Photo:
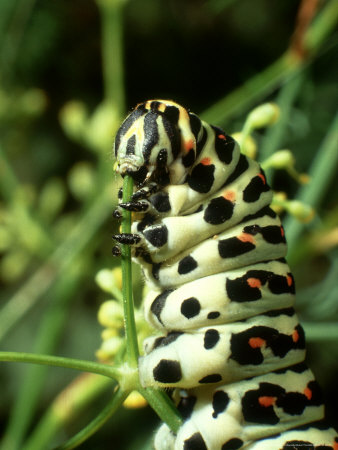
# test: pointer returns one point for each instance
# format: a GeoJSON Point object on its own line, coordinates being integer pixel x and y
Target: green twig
{"type": "Point", "coordinates": [127, 288]}
{"type": "Point", "coordinates": [69, 363]}
{"type": "Point", "coordinates": [164, 407]}
{"type": "Point", "coordinates": [320, 332]}
{"type": "Point", "coordinates": [118, 398]}
{"type": "Point", "coordinates": [112, 53]}
{"type": "Point", "coordinates": [68, 405]}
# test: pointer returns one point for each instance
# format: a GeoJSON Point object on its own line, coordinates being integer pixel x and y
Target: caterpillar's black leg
{"type": "Point", "coordinates": [141, 206]}
{"type": "Point", "coordinates": [127, 238]}
{"type": "Point", "coordinates": [145, 192]}
{"type": "Point", "coordinates": [117, 214]}
{"type": "Point", "coordinates": [116, 251]}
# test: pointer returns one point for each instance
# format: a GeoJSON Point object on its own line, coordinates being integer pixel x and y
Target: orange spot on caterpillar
{"type": "Point", "coordinates": [188, 145]}
{"type": "Point", "coordinates": [308, 393]}
{"type": "Point", "coordinates": [282, 231]}
{"type": "Point", "coordinates": [221, 136]}
{"type": "Point", "coordinates": [229, 195]}
{"type": "Point", "coordinates": [289, 280]}
{"type": "Point", "coordinates": [256, 342]}
{"type": "Point", "coordinates": [245, 237]}
{"type": "Point", "coordinates": [266, 401]}
{"type": "Point", "coordinates": [295, 336]}
{"type": "Point", "coordinates": [262, 177]}
{"type": "Point", "coordinates": [206, 161]}
{"type": "Point", "coordinates": [335, 444]}
{"type": "Point", "coordinates": [254, 282]}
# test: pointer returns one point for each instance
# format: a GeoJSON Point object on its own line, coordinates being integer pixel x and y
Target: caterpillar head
{"type": "Point", "coordinates": [152, 140]}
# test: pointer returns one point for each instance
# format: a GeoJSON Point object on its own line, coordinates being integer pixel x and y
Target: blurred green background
{"type": "Point", "coordinates": [69, 72]}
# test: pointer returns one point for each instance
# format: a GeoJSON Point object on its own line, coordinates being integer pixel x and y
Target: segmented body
{"type": "Point", "coordinates": [220, 291]}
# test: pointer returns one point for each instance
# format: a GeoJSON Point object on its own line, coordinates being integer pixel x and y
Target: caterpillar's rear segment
{"type": "Point", "coordinates": [221, 293]}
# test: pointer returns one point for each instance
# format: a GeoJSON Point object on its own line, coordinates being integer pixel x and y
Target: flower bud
{"type": "Point", "coordinates": [109, 280]}
{"type": "Point", "coordinates": [248, 147]}
{"type": "Point", "coordinates": [111, 314]}
{"type": "Point", "coordinates": [52, 198]}
{"type": "Point", "coordinates": [303, 212]}
{"type": "Point", "coordinates": [135, 400]}
{"type": "Point", "coordinates": [73, 118]}
{"type": "Point", "coordinates": [263, 116]}
{"type": "Point", "coordinates": [282, 159]}
{"type": "Point", "coordinates": [109, 348]}
{"type": "Point", "coordinates": [81, 180]}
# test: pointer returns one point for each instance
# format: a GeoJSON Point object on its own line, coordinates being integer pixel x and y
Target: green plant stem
{"type": "Point", "coordinates": [320, 332]}
{"type": "Point", "coordinates": [118, 398]}
{"type": "Point", "coordinates": [112, 53]}
{"type": "Point", "coordinates": [324, 23]}
{"type": "Point", "coordinates": [33, 378]}
{"type": "Point", "coordinates": [127, 287]}
{"type": "Point", "coordinates": [164, 407]}
{"type": "Point", "coordinates": [67, 406]}
{"type": "Point", "coordinates": [58, 361]}
{"type": "Point", "coordinates": [321, 174]}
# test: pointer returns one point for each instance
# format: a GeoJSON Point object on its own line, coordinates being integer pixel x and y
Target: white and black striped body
{"type": "Point", "coordinates": [221, 293]}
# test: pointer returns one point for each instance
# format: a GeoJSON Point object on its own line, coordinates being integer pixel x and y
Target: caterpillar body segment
{"type": "Point", "coordinates": [249, 410]}
{"type": "Point", "coordinates": [220, 294]}
{"type": "Point", "coordinates": [231, 296]}
{"type": "Point", "coordinates": [229, 352]}
{"type": "Point", "coordinates": [322, 438]}
{"type": "Point", "coordinates": [259, 240]}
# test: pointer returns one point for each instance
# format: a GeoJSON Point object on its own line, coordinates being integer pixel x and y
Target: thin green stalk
{"type": "Point", "coordinates": [59, 361]}
{"type": "Point", "coordinates": [67, 406]}
{"type": "Point", "coordinates": [320, 332]}
{"type": "Point", "coordinates": [112, 52]}
{"type": "Point", "coordinates": [34, 376]}
{"type": "Point", "coordinates": [118, 398]}
{"type": "Point", "coordinates": [321, 174]}
{"type": "Point", "coordinates": [164, 407]}
{"type": "Point", "coordinates": [127, 288]}
{"type": "Point", "coordinates": [324, 23]}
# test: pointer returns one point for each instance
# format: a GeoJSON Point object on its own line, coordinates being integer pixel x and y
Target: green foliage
{"type": "Point", "coordinates": [60, 105]}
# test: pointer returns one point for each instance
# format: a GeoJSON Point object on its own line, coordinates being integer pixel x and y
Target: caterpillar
{"type": "Point", "coordinates": [220, 293]}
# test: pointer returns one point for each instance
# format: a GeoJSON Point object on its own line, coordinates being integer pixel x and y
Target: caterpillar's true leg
{"type": "Point", "coordinates": [127, 238]}
{"type": "Point", "coordinates": [141, 206]}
